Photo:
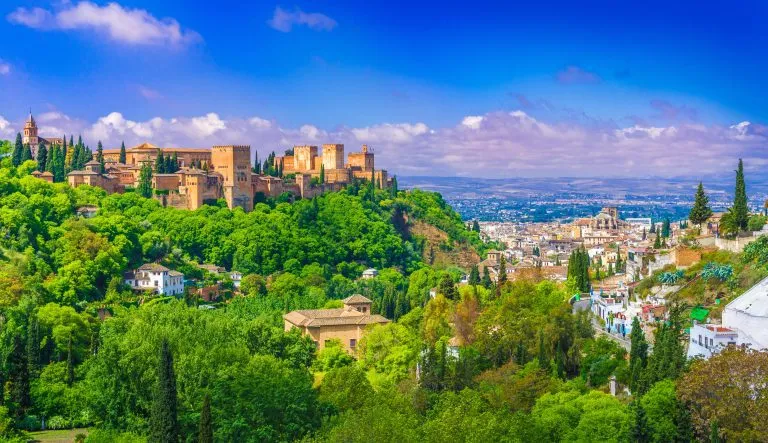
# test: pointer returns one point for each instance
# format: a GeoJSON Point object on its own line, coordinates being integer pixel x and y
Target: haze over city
{"type": "Point", "coordinates": [487, 89]}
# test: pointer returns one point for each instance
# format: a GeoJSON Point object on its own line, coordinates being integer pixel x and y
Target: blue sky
{"type": "Point", "coordinates": [334, 68]}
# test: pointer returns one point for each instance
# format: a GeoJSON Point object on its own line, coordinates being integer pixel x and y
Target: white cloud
{"type": "Point", "coordinates": [125, 25]}
{"type": "Point", "coordinates": [5, 68]}
{"type": "Point", "coordinates": [260, 123]}
{"type": "Point", "coordinates": [472, 121]}
{"type": "Point", "coordinates": [5, 127]}
{"type": "Point", "coordinates": [284, 21]}
{"type": "Point", "coordinates": [495, 144]}
{"type": "Point", "coordinates": [388, 132]}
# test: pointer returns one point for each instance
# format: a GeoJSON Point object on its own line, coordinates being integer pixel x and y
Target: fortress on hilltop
{"type": "Point", "coordinates": [196, 176]}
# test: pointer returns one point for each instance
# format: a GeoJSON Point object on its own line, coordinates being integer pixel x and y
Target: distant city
{"type": "Point", "coordinates": [533, 200]}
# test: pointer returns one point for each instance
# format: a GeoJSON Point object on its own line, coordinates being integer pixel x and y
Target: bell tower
{"type": "Point", "coordinates": [30, 133]}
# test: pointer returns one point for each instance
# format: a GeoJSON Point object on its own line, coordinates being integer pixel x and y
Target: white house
{"type": "Point", "coordinates": [157, 278]}
{"type": "Point", "coordinates": [748, 314]}
{"type": "Point", "coordinates": [707, 339]}
{"type": "Point", "coordinates": [236, 278]}
{"type": "Point", "coordinates": [606, 307]}
{"type": "Point", "coordinates": [370, 273]}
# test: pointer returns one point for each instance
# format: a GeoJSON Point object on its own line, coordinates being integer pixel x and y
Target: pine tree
{"type": "Point", "coordinates": [122, 158]}
{"type": "Point", "coordinates": [18, 151]}
{"type": "Point", "coordinates": [206, 425]}
{"type": "Point", "coordinates": [638, 355]}
{"type": "Point", "coordinates": [26, 153]}
{"type": "Point", "coordinates": [145, 181]}
{"type": "Point", "coordinates": [740, 206]}
{"type": "Point", "coordinates": [163, 423]}
{"type": "Point", "coordinates": [42, 155]}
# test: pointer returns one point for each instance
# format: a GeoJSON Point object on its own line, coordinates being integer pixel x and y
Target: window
{"type": "Point", "coordinates": [156, 283]}
{"type": "Point", "coordinates": [700, 340]}
{"type": "Point", "coordinates": [352, 343]}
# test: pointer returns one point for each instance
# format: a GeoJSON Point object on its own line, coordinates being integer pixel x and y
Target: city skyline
{"type": "Point", "coordinates": [596, 91]}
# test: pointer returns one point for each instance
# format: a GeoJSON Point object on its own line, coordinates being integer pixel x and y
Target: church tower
{"type": "Point", "coordinates": [30, 134]}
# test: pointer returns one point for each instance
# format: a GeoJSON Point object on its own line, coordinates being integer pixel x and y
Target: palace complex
{"type": "Point", "coordinates": [206, 175]}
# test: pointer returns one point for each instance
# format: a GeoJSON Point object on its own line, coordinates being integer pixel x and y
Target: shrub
{"type": "Point", "coordinates": [58, 422]}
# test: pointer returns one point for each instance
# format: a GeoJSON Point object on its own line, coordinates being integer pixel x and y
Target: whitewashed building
{"type": "Point", "coordinates": [155, 277]}
{"type": "Point", "coordinates": [708, 339]}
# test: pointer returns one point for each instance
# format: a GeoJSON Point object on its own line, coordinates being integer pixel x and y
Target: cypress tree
{"type": "Point", "coordinates": [42, 155]}
{"type": "Point", "coordinates": [71, 142]}
{"type": "Point", "coordinates": [322, 174]}
{"type": "Point", "coordinates": [474, 276]}
{"type": "Point", "coordinates": [639, 431]}
{"type": "Point", "coordinates": [26, 153]}
{"type": "Point", "coordinates": [653, 227]}
{"type": "Point", "coordinates": [740, 207]}
{"type": "Point", "coordinates": [18, 151]}
{"type": "Point", "coordinates": [543, 357]}
{"type": "Point", "coordinates": [122, 158]}
{"type": "Point", "coordinates": [206, 425]}
{"type": "Point", "coordinates": [168, 165]}
{"type": "Point", "coordinates": [394, 186]}
{"type": "Point", "coordinates": [475, 226]}
{"type": "Point", "coordinates": [159, 163]}
{"type": "Point", "coordinates": [174, 163]}
{"type": "Point", "coordinates": [100, 156]}
{"type": "Point", "coordinates": [49, 163]}
{"type": "Point", "coordinates": [163, 423]}
{"type": "Point", "coordinates": [657, 242]}
{"type": "Point", "coordinates": [665, 228]}
{"type": "Point", "coordinates": [486, 278]}
{"type": "Point", "coordinates": [18, 374]}
{"type": "Point", "coordinates": [145, 181]}
{"type": "Point", "coordinates": [502, 270]}
{"type": "Point", "coordinates": [700, 212]}
{"type": "Point", "coordinates": [58, 168]}
{"type": "Point", "coordinates": [70, 363]}
{"type": "Point", "coordinates": [638, 355]}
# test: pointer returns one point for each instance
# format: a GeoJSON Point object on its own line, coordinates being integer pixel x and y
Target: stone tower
{"type": "Point", "coordinates": [30, 134]}
{"type": "Point", "coordinates": [333, 156]}
{"type": "Point", "coordinates": [234, 164]}
{"type": "Point", "coordinates": [304, 158]}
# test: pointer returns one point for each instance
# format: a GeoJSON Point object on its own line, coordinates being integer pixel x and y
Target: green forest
{"type": "Point", "coordinates": [476, 362]}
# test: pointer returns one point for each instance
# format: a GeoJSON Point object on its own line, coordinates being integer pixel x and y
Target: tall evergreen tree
{"type": "Point", "coordinates": [18, 375]}
{"type": "Point", "coordinates": [639, 431]}
{"type": "Point", "coordinates": [168, 165]}
{"type": "Point", "coordinates": [475, 226]}
{"type": "Point", "coordinates": [486, 280]}
{"type": "Point", "coordinates": [657, 242]}
{"type": "Point", "coordinates": [51, 158]}
{"type": "Point", "coordinates": [474, 276]}
{"type": "Point", "coordinates": [322, 174]}
{"type": "Point", "coordinates": [159, 163]}
{"type": "Point", "coordinates": [26, 153]}
{"type": "Point", "coordinates": [665, 228]}
{"type": "Point", "coordinates": [42, 155]}
{"type": "Point", "coordinates": [394, 186]}
{"type": "Point", "coordinates": [122, 158]}
{"type": "Point", "coordinates": [145, 181]}
{"type": "Point", "coordinates": [18, 151]}
{"type": "Point", "coordinates": [206, 423]}
{"type": "Point", "coordinates": [58, 167]}
{"type": "Point", "coordinates": [100, 156]}
{"type": "Point", "coordinates": [502, 270]}
{"type": "Point", "coordinates": [163, 423]}
{"type": "Point", "coordinates": [638, 355]}
{"type": "Point", "coordinates": [543, 357]}
{"type": "Point", "coordinates": [653, 227]}
{"type": "Point", "coordinates": [740, 206]}
{"type": "Point", "coordinates": [174, 162]}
